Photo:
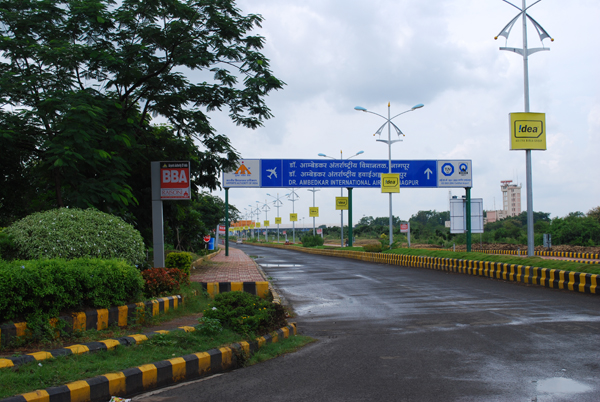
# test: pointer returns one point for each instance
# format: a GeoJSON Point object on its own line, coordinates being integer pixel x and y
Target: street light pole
{"type": "Point", "coordinates": [293, 199]}
{"type": "Point", "coordinates": [314, 191]}
{"type": "Point", "coordinates": [342, 192]}
{"type": "Point", "coordinates": [525, 52]}
{"type": "Point", "coordinates": [389, 141]}
{"type": "Point", "coordinates": [277, 203]}
{"type": "Point", "coordinates": [266, 208]}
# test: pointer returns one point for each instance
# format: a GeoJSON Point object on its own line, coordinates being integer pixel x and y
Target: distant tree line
{"type": "Point", "coordinates": [577, 229]}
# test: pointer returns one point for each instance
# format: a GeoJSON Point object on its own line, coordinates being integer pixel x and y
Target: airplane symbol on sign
{"type": "Point", "coordinates": [272, 171]}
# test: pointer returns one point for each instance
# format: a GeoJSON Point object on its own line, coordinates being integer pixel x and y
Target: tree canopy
{"type": "Point", "coordinates": [81, 82]}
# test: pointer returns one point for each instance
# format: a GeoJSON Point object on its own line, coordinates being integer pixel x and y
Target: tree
{"type": "Point", "coordinates": [81, 81]}
{"type": "Point", "coordinates": [594, 213]}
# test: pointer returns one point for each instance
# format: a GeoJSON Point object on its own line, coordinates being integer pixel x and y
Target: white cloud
{"type": "Point", "coordinates": [337, 54]}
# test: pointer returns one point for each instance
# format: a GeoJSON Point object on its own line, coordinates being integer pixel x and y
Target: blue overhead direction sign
{"type": "Point", "coordinates": [355, 173]}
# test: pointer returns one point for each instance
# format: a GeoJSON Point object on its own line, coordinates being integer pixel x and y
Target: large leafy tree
{"type": "Point", "coordinates": [81, 81]}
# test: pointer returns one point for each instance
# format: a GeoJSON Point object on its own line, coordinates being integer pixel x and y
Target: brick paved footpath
{"type": "Point", "coordinates": [237, 267]}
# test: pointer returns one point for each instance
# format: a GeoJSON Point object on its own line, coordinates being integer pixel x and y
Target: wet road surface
{"type": "Point", "coordinates": [409, 334]}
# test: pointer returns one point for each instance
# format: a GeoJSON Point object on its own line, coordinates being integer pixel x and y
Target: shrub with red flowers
{"type": "Point", "coordinates": [163, 281]}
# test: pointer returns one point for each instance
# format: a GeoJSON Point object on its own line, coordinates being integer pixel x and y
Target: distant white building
{"type": "Point", "coordinates": [511, 202]}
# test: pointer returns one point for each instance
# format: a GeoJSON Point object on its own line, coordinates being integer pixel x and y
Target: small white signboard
{"type": "Point", "coordinates": [454, 173]}
{"type": "Point", "coordinates": [458, 212]}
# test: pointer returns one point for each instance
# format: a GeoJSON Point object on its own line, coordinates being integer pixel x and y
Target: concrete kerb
{"type": "Point", "coordinates": [551, 278]}
{"type": "Point", "coordinates": [200, 260]}
{"type": "Point", "coordinates": [100, 319]}
{"type": "Point", "coordinates": [155, 375]}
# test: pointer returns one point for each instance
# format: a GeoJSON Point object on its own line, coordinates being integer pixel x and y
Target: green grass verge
{"type": "Point", "coordinates": [283, 346]}
{"type": "Point", "coordinates": [65, 369]}
{"type": "Point", "coordinates": [508, 259]}
{"type": "Point", "coordinates": [195, 302]}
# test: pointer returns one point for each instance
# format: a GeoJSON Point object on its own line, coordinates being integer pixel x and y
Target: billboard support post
{"type": "Point", "coordinates": [468, 218]}
{"type": "Point", "coordinates": [226, 222]}
{"type": "Point", "coordinates": [349, 216]}
{"type": "Point", "coordinates": [158, 241]}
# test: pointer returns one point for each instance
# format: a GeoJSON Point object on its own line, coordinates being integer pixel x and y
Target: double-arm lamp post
{"type": "Point", "coordinates": [341, 195]}
{"type": "Point", "coordinates": [389, 141]}
{"type": "Point", "coordinates": [277, 203]}
{"type": "Point", "coordinates": [525, 52]}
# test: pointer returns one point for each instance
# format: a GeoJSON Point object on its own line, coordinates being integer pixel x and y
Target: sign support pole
{"type": "Point", "coordinates": [468, 218]}
{"type": "Point", "coordinates": [158, 241]}
{"type": "Point", "coordinates": [349, 216]}
{"type": "Point", "coordinates": [226, 222]}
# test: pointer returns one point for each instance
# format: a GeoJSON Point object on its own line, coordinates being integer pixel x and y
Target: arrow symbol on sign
{"type": "Point", "coordinates": [428, 172]}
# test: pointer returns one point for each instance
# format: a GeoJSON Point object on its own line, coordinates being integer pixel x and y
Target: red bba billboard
{"type": "Point", "coordinates": [175, 181]}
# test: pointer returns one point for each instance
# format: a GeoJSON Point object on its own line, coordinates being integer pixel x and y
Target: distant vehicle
{"type": "Point", "coordinates": [239, 241]}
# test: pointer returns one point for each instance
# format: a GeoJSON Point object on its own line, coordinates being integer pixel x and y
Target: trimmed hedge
{"type": "Point", "coordinates": [180, 260]}
{"type": "Point", "coordinates": [75, 233]}
{"type": "Point", "coordinates": [47, 287]}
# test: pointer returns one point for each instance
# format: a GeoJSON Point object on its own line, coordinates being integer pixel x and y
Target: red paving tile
{"type": "Point", "coordinates": [237, 267]}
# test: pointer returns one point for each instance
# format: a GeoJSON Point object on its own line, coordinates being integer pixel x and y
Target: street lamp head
{"type": "Point", "coordinates": [360, 152]}
{"type": "Point", "coordinates": [322, 155]}
{"type": "Point", "coordinates": [419, 106]}
{"type": "Point", "coordinates": [360, 108]}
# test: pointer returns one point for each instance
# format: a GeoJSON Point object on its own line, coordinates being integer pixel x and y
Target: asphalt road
{"type": "Point", "coordinates": [409, 334]}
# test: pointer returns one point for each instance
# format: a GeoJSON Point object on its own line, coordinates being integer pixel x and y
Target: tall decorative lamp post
{"type": "Point", "coordinates": [341, 195]}
{"type": "Point", "coordinates": [389, 141]}
{"type": "Point", "coordinates": [314, 190]}
{"type": "Point", "coordinates": [293, 197]}
{"type": "Point", "coordinates": [266, 208]}
{"type": "Point", "coordinates": [277, 203]}
{"type": "Point", "coordinates": [525, 52]}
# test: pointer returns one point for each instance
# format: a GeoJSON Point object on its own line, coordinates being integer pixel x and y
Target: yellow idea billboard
{"type": "Point", "coordinates": [313, 212]}
{"type": "Point", "coordinates": [341, 203]}
{"type": "Point", "coordinates": [278, 221]}
{"type": "Point", "coordinates": [390, 183]}
{"type": "Point", "coordinates": [293, 217]}
{"type": "Point", "coordinates": [527, 131]}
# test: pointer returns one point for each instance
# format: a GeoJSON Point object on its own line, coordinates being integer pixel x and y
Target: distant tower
{"type": "Point", "coordinates": [511, 198]}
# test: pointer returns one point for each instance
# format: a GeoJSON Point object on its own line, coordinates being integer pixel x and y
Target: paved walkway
{"type": "Point", "coordinates": [237, 267]}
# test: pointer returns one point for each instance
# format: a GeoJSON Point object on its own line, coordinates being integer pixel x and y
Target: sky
{"type": "Point", "coordinates": [335, 55]}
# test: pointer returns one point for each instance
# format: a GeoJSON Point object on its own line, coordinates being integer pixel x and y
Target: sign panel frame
{"type": "Point", "coordinates": [527, 131]}
{"type": "Point", "coordinates": [341, 203]}
{"type": "Point", "coordinates": [390, 183]}
{"type": "Point", "coordinates": [175, 180]}
{"type": "Point", "coordinates": [354, 173]}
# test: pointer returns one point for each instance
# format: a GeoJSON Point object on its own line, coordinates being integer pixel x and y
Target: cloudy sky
{"type": "Point", "coordinates": [335, 55]}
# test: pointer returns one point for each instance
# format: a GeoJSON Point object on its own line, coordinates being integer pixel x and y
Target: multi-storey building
{"type": "Point", "coordinates": [511, 202]}
{"type": "Point", "coordinates": [511, 198]}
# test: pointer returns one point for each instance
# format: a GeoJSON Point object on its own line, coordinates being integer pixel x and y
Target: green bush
{"type": "Point", "coordinates": [7, 246]}
{"type": "Point", "coordinates": [246, 313]}
{"type": "Point", "coordinates": [74, 233]}
{"type": "Point", "coordinates": [163, 281]}
{"type": "Point", "coordinates": [48, 287]}
{"type": "Point", "coordinates": [309, 240]}
{"type": "Point", "coordinates": [181, 261]}
{"type": "Point", "coordinates": [372, 248]}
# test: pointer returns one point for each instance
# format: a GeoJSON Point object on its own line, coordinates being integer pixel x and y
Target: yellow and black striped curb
{"type": "Point", "coordinates": [151, 376]}
{"type": "Point", "coordinates": [261, 288]}
{"type": "Point", "coordinates": [551, 278]}
{"type": "Point", "coordinates": [564, 254]}
{"type": "Point", "coordinates": [100, 319]}
{"type": "Point", "coordinates": [200, 260]}
{"type": "Point", "coordinates": [90, 347]}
